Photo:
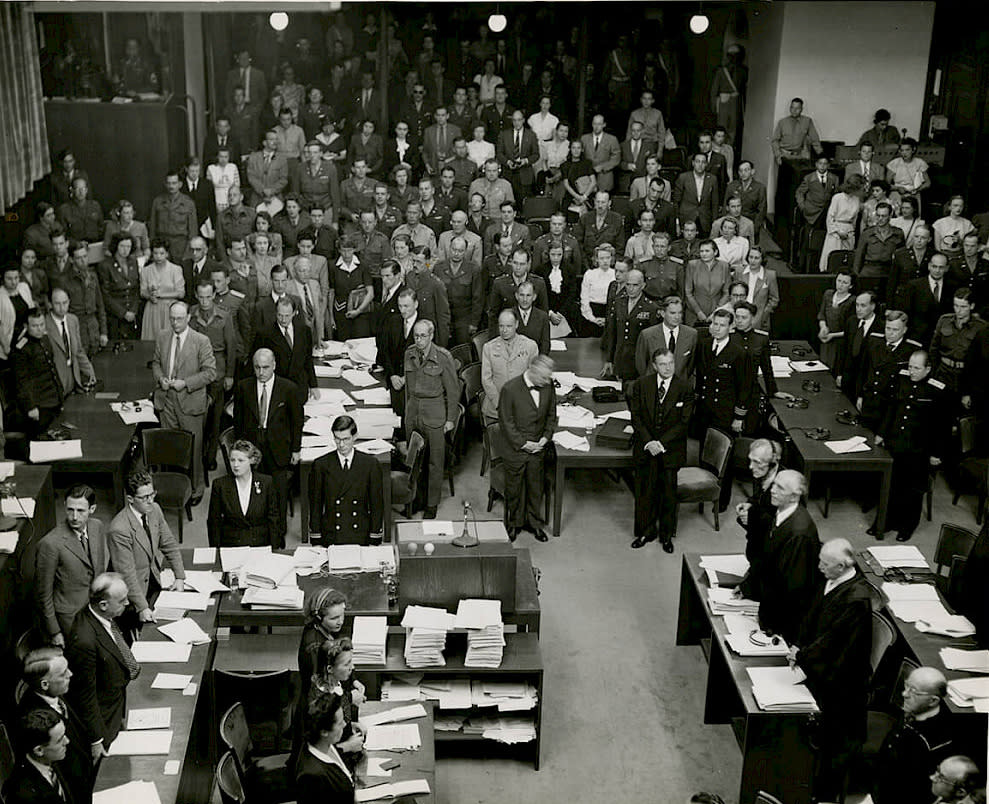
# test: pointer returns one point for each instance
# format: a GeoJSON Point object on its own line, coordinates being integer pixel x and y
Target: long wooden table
{"type": "Point", "coordinates": [814, 456]}
{"type": "Point", "coordinates": [776, 753]}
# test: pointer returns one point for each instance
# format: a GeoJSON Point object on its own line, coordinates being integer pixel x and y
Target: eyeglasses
{"type": "Point", "coordinates": [911, 690]}
{"type": "Point", "coordinates": [146, 497]}
{"type": "Point", "coordinates": [937, 776]}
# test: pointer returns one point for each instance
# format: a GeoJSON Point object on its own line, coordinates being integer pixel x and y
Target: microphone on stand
{"type": "Point", "coordinates": [465, 539]}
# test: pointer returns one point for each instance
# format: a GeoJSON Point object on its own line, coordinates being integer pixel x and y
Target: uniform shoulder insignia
{"type": "Point", "coordinates": [877, 334]}
{"type": "Point", "coordinates": [904, 372]}
{"type": "Point", "coordinates": [761, 332]}
{"type": "Point", "coordinates": [237, 294]}
{"type": "Point", "coordinates": [21, 343]}
{"type": "Point", "coordinates": [918, 344]}
{"type": "Point", "coordinates": [937, 384]}
{"type": "Point", "coordinates": [675, 259]}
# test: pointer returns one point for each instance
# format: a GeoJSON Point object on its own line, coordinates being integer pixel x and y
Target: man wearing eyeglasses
{"type": "Point", "coordinates": [954, 779]}
{"type": "Point", "coordinates": [142, 544]}
{"type": "Point", "coordinates": [915, 746]}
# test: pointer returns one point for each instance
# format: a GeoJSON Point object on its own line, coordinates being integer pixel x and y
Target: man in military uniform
{"type": "Point", "coordinates": [217, 325]}
{"type": "Point", "coordinates": [373, 248]}
{"type": "Point", "coordinates": [688, 247]}
{"type": "Point", "coordinates": [885, 354]}
{"type": "Point", "coordinates": [664, 274]}
{"type": "Point", "coordinates": [725, 387]}
{"type": "Point", "coordinates": [173, 218]}
{"type": "Point", "coordinates": [85, 299]}
{"type": "Point", "coordinates": [387, 218]}
{"type": "Point", "coordinates": [626, 320]}
{"type": "Point", "coordinates": [81, 215]}
{"type": "Point", "coordinates": [557, 236]}
{"type": "Point", "coordinates": [356, 195]}
{"type": "Point", "coordinates": [970, 269]}
{"type": "Point", "coordinates": [498, 264]}
{"type": "Point", "coordinates": [431, 293]}
{"type": "Point", "coordinates": [914, 429]}
{"type": "Point", "coordinates": [953, 335]}
{"type": "Point", "coordinates": [464, 292]}
{"type": "Point", "coordinates": [755, 343]}
{"type": "Point", "coordinates": [39, 392]}
{"type": "Point", "coordinates": [432, 393]}
{"type": "Point", "coordinates": [474, 247]}
{"type": "Point", "coordinates": [237, 220]}
{"type": "Point", "coordinates": [503, 288]}
{"type": "Point", "coordinates": [230, 301]}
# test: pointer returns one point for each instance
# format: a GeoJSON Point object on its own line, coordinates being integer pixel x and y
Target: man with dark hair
{"type": "Point", "coordinates": [267, 170]}
{"type": "Point", "coordinates": [81, 216]}
{"type": "Point", "coordinates": [38, 776]}
{"type": "Point", "coordinates": [886, 353]}
{"type": "Point", "coordinates": [75, 371]}
{"type": "Point", "coordinates": [317, 181]}
{"type": "Point", "coordinates": [926, 299]}
{"type": "Point", "coordinates": [717, 165]}
{"type": "Point", "coordinates": [504, 288]}
{"type": "Point", "coordinates": [752, 193]}
{"type": "Point", "coordinates": [875, 249]}
{"type": "Point", "coordinates": [857, 332]}
{"type": "Point", "coordinates": [672, 334]}
{"type": "Point", "coordinates": [81, 284]}
{"type": "Point", "coordinates": [813, 197]}
{"type": "Point", "coordinates": [909, 263]}
{"type": "Point", "coordinates": [953, 335]}
{"type": "Point", "coordinates": [517, 150]}
{"type": "Point", "coordinates": [394, 339]}
{"type": "Point", "coordinates": [173, 217]}
{"type": "Point", "coordinates": [69, 557]}
{"type": "Point", "coordinates": [970, 269]}
{"type": "Point", "coordinates": [696, 194]}
{"type": "Point", "coordinates": [38, 388]}
{"type": "Point", "coordinates": [222, 136]}
{"type": "Point", "coordinates": [518, 232]}
{"type": "Point", "coordinates": [464, 290]}
{"type": "Point", "coordinates": [345, 492]}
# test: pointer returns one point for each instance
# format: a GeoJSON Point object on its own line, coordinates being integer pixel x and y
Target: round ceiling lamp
{"type": "Point", "coordinates": [497, 22]}
{"type": "Point", "coordinates": [699, 23]}
{"type": "Point", "coordinates": [278, 20]}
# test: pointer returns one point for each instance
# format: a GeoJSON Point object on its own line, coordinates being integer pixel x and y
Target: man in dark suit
{"type": "Point", "coordinates": [752, 193]}
{"type": "Point", "coordinates": [69, 557]}
{"type": "Point", "coordinates": [198, 267]}
{"type": "Point", "coordinates": [345, 489]}
{"type": "Point", "coordinates": [101, 662]}
{"type": "Point", "coordinates": [290, 340]}
{"type": "Point", "coordinates": [75, 371]}
{"type": "Point", "coordinates": [926, 299]}
{"type": "Point", "coordinates": [626, 319]}
{"type": "Point", "coordinates": [717, 166]}
{"type": "Point", "coordinates": [661, 405]}
{"type": "Point", "coordinates": [200, 189]}
{"type": "Point", "coordinates": [970, 269]}
{"type": "Point", "coordinates": [38, 777]}
{"type": "Point", "coordinates": [909, 263]}
{"type": "Point", "coordinates": [46, 677]}
{"type": "Point", "coordinates": [695, 195]}
{"type": "Point", "coordinates": [437, 141]}
{"type": "Point", "coordinates": [221, 136]}
{"type": "Point", "coordinates": [673, 334]}
{"type": "Point", "coordinates": [600, 226]}
{"type": "Point", "coordinates": [393, 339]}
{"type": "Point", "coordinates": [527, 420]}
{"type": "Point", "coordinates": [250, 78]}
{"type": "Point", "coordinates": [857, 331]}
{"type": "Point", "coordinates": [141, 544]}
{"type": "Point", "coordinates": [366, 104]}
{"type": "Point", "coordinates": [813, 198]}
{"type": "Point", "coordinates": [264, 312]}
{"type": "Point", "coordinates": [504, 288]}
{"type": "Point", "coordinates": [833, 650]}
{"type": "Point", "coordinates": [268, 413]}
{"type": "Point", "coordinates": [517, 150]}
{"type": "Point", "coordinates": [785, 581]}
{"type": "Point", "coordinates": [885, 353]}
{"type": "Point", "coordinates": [507, 227]}
{"type": "Point", "coordinates": [533, 322]}
{"type": "Point", "coordinates": [635, 149]}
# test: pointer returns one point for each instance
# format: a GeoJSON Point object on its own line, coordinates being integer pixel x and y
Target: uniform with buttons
{"type": "Point", "coordinates": [37, 381]}
{"type": "Point", "coordinates": [625, 327]}
{"type": "Point", "coordinates": [881, 365]}
{"type": "Point", "coordinates": [346, 504]}
{"type": "Point", "coordinates": [755, 342]}
{"type": "Point", "coordinates": [949, 346]}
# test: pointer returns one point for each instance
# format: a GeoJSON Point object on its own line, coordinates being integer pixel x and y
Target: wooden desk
{"type": "Point", "coordinates": [487, 531]}
{"type": "Point", "coordinates": [776, 753]}
{"type": "Point", "coordinates": [105, 438]}
{"type": "Point", "coordinates": [420, 764]}
{"type": "Point", "coordinates": [815, 457]}
{"type": "Point", "coordinates": [192, 726]}
{"type": "Point", "coordinates": [583, 357]}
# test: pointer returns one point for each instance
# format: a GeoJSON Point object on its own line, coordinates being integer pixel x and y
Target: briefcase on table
{"type": "Point", "coordinates": [614, 433]}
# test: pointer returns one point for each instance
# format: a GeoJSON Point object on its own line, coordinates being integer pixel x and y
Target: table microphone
{"type": "Point", "coordinates": [465, 539]}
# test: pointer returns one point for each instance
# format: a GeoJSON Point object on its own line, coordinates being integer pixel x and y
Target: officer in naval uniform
{"type": "Point", "coordinates": [885, 354]}
{"type": "Point", "coordinates": [755, 343]}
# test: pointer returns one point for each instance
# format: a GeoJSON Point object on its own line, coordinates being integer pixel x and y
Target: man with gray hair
{"type": "Point", "coordinates": [916, 745]}
{"type": "Point", "coordinates": [503, 358]}
{"type": "Point", "coordinates": [756, 514]}
{"type": "Point", "coordinates": [833, 651]}
{"type": "Point", "coordinates": [474, 246]}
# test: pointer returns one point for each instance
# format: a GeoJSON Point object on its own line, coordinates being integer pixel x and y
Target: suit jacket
{"type": "Point", "coordinates": [64, 571]}
{"type": "Point", "coordinates": [923, 310]}
{"type": "Point", "coordinates": [77, 767]}
{"type": "Point", "coordinates": [813, 197]}
{"type": "Point", "coordinates": [684, 354]}
{"type": "Point", "coordinates": [204, 197]}
{"type": "Point", "coordinates": [392, 344]}
{"type": "Point", "coordinates": [273, 177]}
{"type": "Point", "coordinates": [766, 297]}
{"type": "Point", "coordinates": [27, 786]}
{"type": "Point", "coordinates": [391, 157]}
{"type": "Point", "coordinates": [191, 277]}
{"type": "Point", "coordinates": [140, 556]}
{"type": "Point", "coordinates": [590, 237]}
{"type": "Point", "coordinates": [753, 201]}
{"type": "Point", "coordinates": [195, 363]}
{"type": "Point", "coordinates": [788, 576]}
{"type": "Point", "coordinates": [293, 362]}
{"type": "Point", "coordinates": [691, 208]}
{"type": "Point", "coordinates": [433, 146]}
{"type": "Point", "coordinates": [878, 370]}
{"type": "Point", "coordinates": [81, 371]}
{"type": "Point", "coordinates": [872, 173]}
{"type": "Point", "coordinates": [318, 782]}
{"type": "Point", "coordinates": [537, 329]}
{"type": "Point", "coordinates": [665, 423]}
{"type": "Point", "coordinates": [605, 158]}
{"type": "Point", "coordinates": [284, 432]}
{"type": "Point", "coordinates": [315, 323]}
{"type": "Point", "coordinates": [229, 526]}
{"type": "Point", "coordinates": [725, 384]}
{"type": "Point", "coordinates": [522, 421]}
{"type": "Point", "coordinates": [359, 113]}
{"type": "Point", "coordinates": [519, 232]}
{"type": "Point", "coordinates": [346, 506]}
{"type": "Point", "coordinates": [257, 82]}
{"type": "Point", "coordinates": [851, 357]}
{"type": "Point", "coordinates": [664, 212]}
{"type": "Point", "coordinates": [212, 144]}
{"type": "Point", "coordinates": [372, 151]}
{"type": "Point", "coordinates": [646, 147]}
{"type": "Point", "coordinates": [264, 314]}
{"type": "Point", "coordinates": [505, 153]}
{"type": "Point", "coordinates": [99, 678]}
{"type": "Point", "coordinates": [502, 296]}
{"type": "Point", "coordinates": [717, 166]}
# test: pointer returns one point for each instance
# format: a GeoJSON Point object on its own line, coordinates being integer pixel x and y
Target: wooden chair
{"type": "Point", "coordinates": [972, 470]}
{"type": "Point", "coordinates": [405, 483]}
{"type": "Point", "coordinates": [481, 337]}
{"type": "Point", "coordinates": [762, 797]}
{"type": "Point", "coordinates": [840, 260]}
{"type": "Point", "coordinates": [228, 780]}
{"type": "Point", "coordinates": [168, 455]}
{"type": "Point", "coordinates": [226, 444]}
{"type": "Point", "coordinates": [953, 542]}
{"type": "Point", "coordinates": [485, 441]}
{"type": "Point", "coordinates": [470, 376]}
{"type": "Point", "coordinates": [453, 444]}
{"type": "Point", "coordinates": [537, 209]}
{"type": "Point", "coordinates": [701, 484]}
{"type": "Point", "coordinates": [955, 576]}
{"type": "Point", "coordinates": [883, 636]}
{"type": "Point", "coordinates": [266, 773]}
{"type": "Point", "coordinates": [462, 354]}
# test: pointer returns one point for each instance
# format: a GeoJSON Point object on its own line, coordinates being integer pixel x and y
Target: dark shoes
{"type": "Point", "coordinates": [196, 499]}
{"type": "Point", "coordinates": [903, 537]}
{"type": "Point", "coordinates": [430, 512]}
{"type": "Point", "coordinates": [667, 545]}
{"type": "Point", "coordinates": [513, 534]}
{"type": "Point", "coordinates": [540, 535]}
{"type": "Point", "coordinates": [640, 542]}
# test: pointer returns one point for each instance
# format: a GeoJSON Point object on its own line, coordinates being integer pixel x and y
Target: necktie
{"type": "Point", "coordinates": [133, 668]}
{"type": "Point", "coordinates": [308, 300]}
{"type": "Point", "coordinates": [597, 141]}
{"type": "Point", "coordinates": [174, 358]}
{"type": "Point", "coordinates": [518, 144]}
{"type": "Point", "coordinates": [267, 159]}
{"type": "Point", "coordinates": [937, 290]}
{"type": "Point", "coordinates": [673, 341]}
{"type": "Point", "coordinates": [147, 528]}
{"type": "Point", "coordinates": [65, 344]}
{"type": "Point", "coordinates": [84, 541]}
{"type": "Point", "coordinates": [288, 335]}
{"type": "Point", "coordinates": [662, 391]}
{"type": "Point", "coordinates": [635, 150]}
{"type": "Point", "coordinates": [442, 137]}
{"type": "Point", "coordinates": [263, 406]}
{"type": "Point", "coordinates": [56, 785]}
{"type": "Point", "coordinates": [223, 141]}
{"type": "Point", "coordinates": [346, 464]}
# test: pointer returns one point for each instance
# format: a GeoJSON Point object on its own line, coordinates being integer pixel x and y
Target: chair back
{"type": "Point", "coordinates": [453, 437]}
{"type": "Point", "coordinates": [167, 450]}
{"type": "Point", "coordinates": [235, 734]}
{"type": "Point", "coordinates": [715, 452]}
{"type": "Point", "coordinates": [762, 797]}
{"type": "Point", "coordinates": [622, 205]}
{"type": "Point", "coordinates": [27, 642]}
{"type": "Point", "coordinates": [227, 440]}
{"type": "Point", "coordinates": [955, 577]}
{"type": "Point", "coordinates": [8, 759]}
{"type": "Point", "coordinates": [952, 541]}
{"type": "Point", "coordinates": [229, 780]}
{"type": "Point", "coordinates": [535, 231]}
{"type": "Point", "coordinates": [675, 158]}
{"type": "Point", "coordinates": [840, 260]}
{"type": "Point", "coordinates": [496, 442]}
{"type": "Point", "coordinates": [538, 207]}
{"type": "Point", "coordinates": [461, 354]}
{"type": "Point", "coordinates": [883, 635]}
{"type": "Point", "coordinates": [470, 375]}
{"type": "Point", "coordinates": [967, 434]}
{"type": "Point", "coordinates": [481, 337]}
{"type": "Point", "coordinates": [414, 458]}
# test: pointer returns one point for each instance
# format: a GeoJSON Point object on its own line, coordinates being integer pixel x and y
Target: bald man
{"type": "Point", "coordinates": [833, 651]}
{"type": "Point", "coordinates": [954, 779]}
{"type": "Point", "coordinates": [917, 744]}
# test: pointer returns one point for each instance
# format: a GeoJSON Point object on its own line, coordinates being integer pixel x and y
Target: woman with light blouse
{"type": "Point", "coordinates": [122, 221]}
{"type": "Point", "coordinates": [594, 291]}
{"type": "Point", "coordinates": [732, 247]}
{"type": "Point", "coordinates": [479, 150]}
{"type": "Point", "coordinates": [949, 231]}
{"type": "Point", "coordinates": [842, 214]}
{"type": "Point", "coordinates": [907, 221]}
{"type": "Point", "coordinates": [543, 124]}
{"type": "Point", "coordinates": [161, 284]}
{"type": "Point", "coordinates": [706, 284]}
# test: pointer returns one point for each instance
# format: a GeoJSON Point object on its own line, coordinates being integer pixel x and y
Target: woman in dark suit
{"type": "Point", "coordinates": [242, 508]}
{"type": "Point", "coordinates": [367, 145]}
{"type": "Point", "coordinates": [562, 287]}
{"type": "Point", "coordinates": [404, 151]}
{"type": "Point", "coordinates": [321, 776]}
{"type": "Point", "coordinates": [120, 282]}
{"type": "Point", "coordinates": [334, 676]}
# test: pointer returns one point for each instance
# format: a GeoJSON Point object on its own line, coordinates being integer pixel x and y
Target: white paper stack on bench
{"type": "Point", "coordinates": [393, 737]}
{"type": "Point", "coordinates": [722, 601]}
{"type": "Point", "coordinates": [185, 601]}
{"type": "Point", "coordinates": [308, 559]}
{"type": "Point", "coordinates": [952, 625]}
{"type": "Point", "coordinates": [369, 637]}
{"type": "Point", "coordinates": [779, 688]}
{"type": "Point", "coordinates": [233, 558]}
{"type": "Point", "coordinates": [970, 661]}
{"type": "Point", "coordinates": [392, 790]}
{"type": "Point", "coordinates": [509, 730]}
{"type": "Point", "coordinates": [508, 696]}
{"type": "Point", "coordinates": [185, 631]}
{"type": "Point", "coordinates": [911, 602]}
{"type": "Point", "coordinates": [280, 598]}
{"type": "Point", "coordinates": [729, 564]}
{"type": "Point", "coordinates": [343, 557]}
{"type": "Point", "coordinates": [425, 635]}
{"type": "Point", "coordinates": [396, 715]}
{"type": "Point", "coordinates": [135, 792]}
{"type": "Point", "coordinates": [270, 570]}
{"type": "Point", "coordinates": [374, 555]}
{"type": "Point", "coordinates": [970, 692]}
{"type": "Point", "coordinates": [780, 366]}
{"type": "Point", "coordinates": [205, 582]}
{"type": "Point", "coordinates": [397, 690]}
{"type": "Point", "coordinates": [362, 350]}
{"type": "Point", "coordinates": [485, 631]}
{"type": "Point", "coordinates": [898, 555]}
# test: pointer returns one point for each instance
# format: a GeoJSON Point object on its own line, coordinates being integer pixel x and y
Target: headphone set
{"type": "Point", "coordinates": [813, 386]}
{"type": "Point", "coordinates": [847, 417]}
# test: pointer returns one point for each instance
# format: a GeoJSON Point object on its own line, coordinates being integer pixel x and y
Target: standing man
{"type": "Point", "coordinates": [664, 275]}
{"type": "Point", "coordinates": [953, 336]}
{"type": "Point", "coordinates": [183, 368]}
{"type": "Point", "coordinates": [248, 78]}
{"type": "Point", "coordinates": [661, 406]}
{"type": "Point", "coordinates": [173, 217]}
{"type": "Point", "coordinates": [651, 120]}
{"type": "Point", "coordinates": [504, 288]}
{"type": "Point", "coordinates": [627, 319]}
{"type": "Point", "coordinates": [141, 544]}
{"type": "Point", "coordinates": [318, 182]}
{"type": "Point", "coordinates": [518, 150]}
{"type": "Point", "coordinates": [927, 298]}
{"type": "Point", "coordinates": [38, 388]}
{"type": "Point", "coordinates": [345, 489]}
{"type": "Point", "coordinates": [464, 291]}
{"type": "Point", "coordinates": [493, 189]}
{"type": "Point", "coordinates": [753, 195]}
{"type": "Point", "coordinates": [268, 413]}
{"type": "Point", "coordinates": [75, 372]}
{"type": "Point", "coordinates": [717, 165]}
{"type": "Point", "coordinates": [81, 216]}
{"type": "Point", "coordinates": [794, 138]}
{"type": "Point", "coordinates": [197, 268]}
{"type": "Point", "coordinates": [695, 195]}
{"type": "Point", "coordinates": [813, 198]}
{"type": "Point", "coordinates": [306, 288]}
{"type": "Point", "coordinates": [432, 393]}
{"type": "Point", "coordinates": [291, 342]}
{"type": "Point", "coordinates": [518, 232]}
{"type": "Point", "coordinates": [437, 141]}
{"type": "Point", "coordinates": [267, 171]}
{"type": "Point", "coordinates": [857, 332]}
{"type": "Point", "coordinates": [394, 340]}
{"type": "Point", "coordinates": [527, 420]}
{"type": "Point", "coordinates": [755, 343]}
{"type": "Point", "coordinates": [473, 245]}
{"type": "Point", "coordinates": [875, 250]}
{"type": "Point", "coordinates": [503, 358]}
{"type": "Point", "coordinates": [102, 661]}
{"type": "Point", "coordinates": [885, 355]}
{"type": "Point", "coordinates": [604, 152]}
{"type": "Point", "coordinates": [69, 557]}
{"type": "Point", "coordinates": [635, 149]}
{"type": "Point", "coordinates": [557, 236]}
{"type": "Point", "coordinates": [532, 322]}
{"type": "Point", "coordinates": [431, 294]}
{"type": "Point", "coordinates": [672, 334]}
{"type": "Point", "coordinates": [909, 263]}
{"type": "Point", "coordinates": [85, 299]}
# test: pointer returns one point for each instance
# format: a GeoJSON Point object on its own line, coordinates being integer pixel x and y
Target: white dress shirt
{"type": "Point", "coordinates": [847, 575]}
{"type": "Point", "coordinates": [784, 514]}
{"type": "Point", "coordinates": [244, 493]}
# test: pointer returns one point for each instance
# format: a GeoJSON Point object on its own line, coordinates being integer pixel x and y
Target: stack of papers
{"type": "Point", "coordinates": [282, 598]}
{"type": "Point", "coordinates": [557, 346]}
{"type": "Point", "coordinates": [373, 396]}
{"type": "Point", "coordinates": [954, 625]}
{"type": "Point", "coordinates": [575, 416]}
{"type": "Point", "coordinates": [368, 419]}
{"type": "Point", "coordinates": [970, 692]}
{"type": "Point", "coordinates": [130, 793]}
{"type": "Point", "coordinates": [450, 693]}
{"type": "Point", "coordinates": [362, 350]}
{"type": "Point", "coordinates": [17, 507]}
{"type": "Point", "coordinates": [44, 451]}
{"type": "Point", "coordinates": [412, 787]}
{"type": "Point", "coordinates": [376, 446]}
{"type": "Point", "coordinates": [369, 637]}
{"type": "Point", "coordinates": [568, 440]}
{"type": "Point", "coordinates": [425, 635]}
{"type": "Point", "coordinates": [205, 581]}
{"type": "Point", "coordinates": [161, 652]}
{"type": "Point", "coordinates": [203, 555]}
{"type": "Point", "coordinates": [741, 624]}
{"type": "Point", "coordinates": [849, 445]}
{"type": "Point", "coordinates": [343, 558]}
{"type": "Point", "coordinates": [186, 632]}
{"type": "Point", "coordinates": [308, 559]}
{"type": "Point", "coordinates": [155, 718]}
{"type": "Point", "coordinates": [509, 730]}
{"type": "Point", "coordinates": [269, 570]}
{"type": "Point", "coordinates": [970, 661]}
{"type": "Point", "coordinates": [725, 570]}
{"type": "Point", "coordinates": [330, 403]}
{"type": "Point", "coordinates": [8, 541]}
{"type": "Point", "coordinates": [722, 601]}
{"type": "Point", "coordinates": [332, 349]}
{"type": "Point", "coordinates": [448, 722]}
{"type": "Point", "coordinates": [185, 601]}
{"type": "Point", "coordinates": [329, 371]}
{"type": "Point", "coordinates": [359, 378]}
{"type": "Point", "coordinates": [898, 555]}
{"type": "Point", "coordinates": [396, 689]}
{"type": "Point", "coordinates": [233, 558]}
{"type": "Point", "coordinates": [781, 366]}
{"type": "Point", "coordinates": [780, 688]}
{"type": "Point", "coordinates": [485, 632]}
{"type": "Point", "coordinates": [396, 715]}
{"type": "Point", "coordinates": [393, 737]}
{"type": "Point", "coordinates": [141, 743]}
{"type": "Point", "coordinates": [136, 412]}
{"type": "Point", "coordinates": [508, 696]}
